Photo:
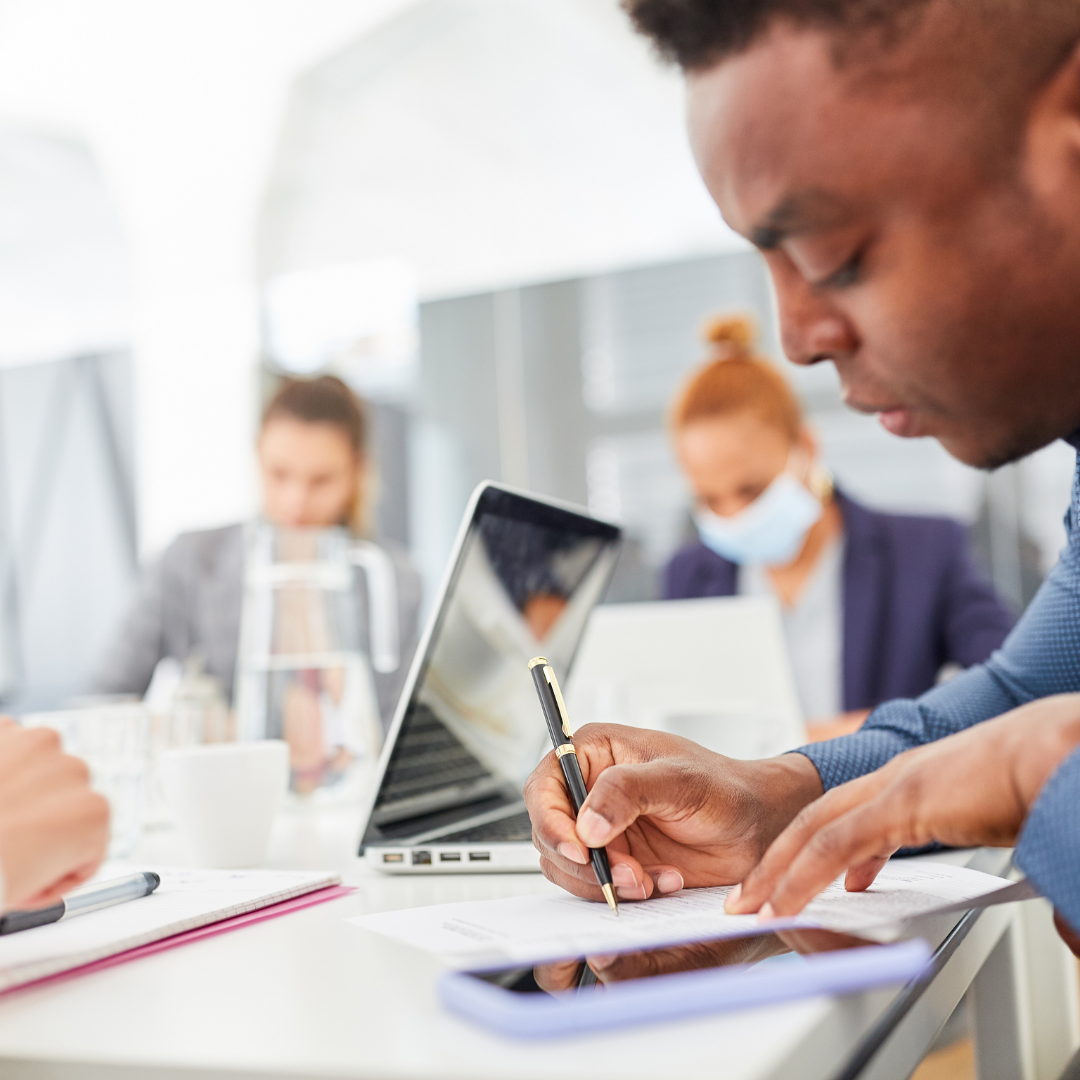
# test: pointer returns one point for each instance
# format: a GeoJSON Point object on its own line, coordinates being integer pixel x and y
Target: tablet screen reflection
{"type": "Point", "coordinates": [585, 973]}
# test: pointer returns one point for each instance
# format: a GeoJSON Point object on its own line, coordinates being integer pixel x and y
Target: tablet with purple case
{"type": "Point", "coordinates": [573, 996]}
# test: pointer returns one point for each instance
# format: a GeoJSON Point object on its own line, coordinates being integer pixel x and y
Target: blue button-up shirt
{"type": "Point", "coordinates": [1040, 657]}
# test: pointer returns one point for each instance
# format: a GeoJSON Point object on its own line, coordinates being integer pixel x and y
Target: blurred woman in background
{"type": "Point", "coordinates": [316, 473]}
{"type": "Point", "coordinates": [873, 605]}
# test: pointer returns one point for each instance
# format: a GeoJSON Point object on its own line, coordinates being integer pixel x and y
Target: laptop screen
{"type": "Point", "coordinates": [526, 577]}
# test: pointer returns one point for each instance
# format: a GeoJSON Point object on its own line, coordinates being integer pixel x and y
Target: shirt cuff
{"type": "Point", "coordinates": [840, 760]}
{"type": "Point", "coordinates": [1048, 850]}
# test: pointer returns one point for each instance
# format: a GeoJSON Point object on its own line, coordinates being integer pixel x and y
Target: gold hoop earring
{"type": "Point", "coordinates": [821, 483]}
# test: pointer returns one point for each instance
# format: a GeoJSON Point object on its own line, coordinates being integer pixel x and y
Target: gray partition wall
{"type": "Point", "coordinates": [67, 513]}
{"type": "Point", "coordinates": [67, 523]}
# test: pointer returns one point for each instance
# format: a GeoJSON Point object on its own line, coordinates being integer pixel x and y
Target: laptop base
{"type": "Point", "coordinates": [495, 858]}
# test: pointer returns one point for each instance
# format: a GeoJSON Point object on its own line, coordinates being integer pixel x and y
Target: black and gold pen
{"type": "Point", "coordinates": [562, 738]}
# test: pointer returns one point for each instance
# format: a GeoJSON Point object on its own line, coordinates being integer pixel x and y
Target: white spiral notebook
{"type": "Point", "coordinates": [185, 900]}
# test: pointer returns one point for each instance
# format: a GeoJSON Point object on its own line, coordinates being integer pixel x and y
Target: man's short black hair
{"type": "Point", "coordinates": [1023, 41]}
{"type": "Point", "coordinates": [698, 33]}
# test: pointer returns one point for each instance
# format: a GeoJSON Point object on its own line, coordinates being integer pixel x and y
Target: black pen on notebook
{"type": "Point", "coordinates": [562, 738]}
{"type": "Point", "coordinates": [82, 901]}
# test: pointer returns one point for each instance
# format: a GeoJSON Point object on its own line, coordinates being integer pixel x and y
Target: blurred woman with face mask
{"type": "Point", "coordinates": [873, 605]}
{"type": "Point", "coordinates": [315, 470]}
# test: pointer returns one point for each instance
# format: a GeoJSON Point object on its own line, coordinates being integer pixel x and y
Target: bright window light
{"type": "Point", "coordinates": [359, 320]}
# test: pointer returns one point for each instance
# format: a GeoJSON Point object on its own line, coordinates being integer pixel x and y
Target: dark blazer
{"type": "Point", "coordinates": [913, 601]}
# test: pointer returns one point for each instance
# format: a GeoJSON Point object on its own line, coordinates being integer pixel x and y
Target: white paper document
{"type": "Point", "coordinates": [527, 928]}
{"type": "Point", "coordinates": [185, 900]}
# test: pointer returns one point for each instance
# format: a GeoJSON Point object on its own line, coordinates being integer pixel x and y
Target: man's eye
{"type": "Point", "coordinates": [846, 276]}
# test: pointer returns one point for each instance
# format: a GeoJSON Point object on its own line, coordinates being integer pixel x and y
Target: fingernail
{"type": "Point", "coordinates": [623, 877]}
{"type": "Point", "coordinates": [598, 963]}
{"type": "Point", "coordinates": [669, 881]}
{"type": "Point", "coordinates": [766, 912]}
{"type": "Point", "coordinates": [592, 828]}
{"type": "Point", "coordinates": [573, 853]}
{"type": "Point", "coordinates": [733, 898]}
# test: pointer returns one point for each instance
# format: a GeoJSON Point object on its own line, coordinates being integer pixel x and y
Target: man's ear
{"type": "Point", "coordinates": [1052, 142]}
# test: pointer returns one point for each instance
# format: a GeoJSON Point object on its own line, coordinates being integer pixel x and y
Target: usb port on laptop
{"type": "Point", "coordinates": [449, 856]}
{"type": "Point", "coordinates": [479, 856]}
{"type": "Point", "coordinates": [393, 856]}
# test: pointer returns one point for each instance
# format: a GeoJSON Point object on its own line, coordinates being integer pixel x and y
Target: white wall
{"type": "Point", "coordinates": [491, 143]}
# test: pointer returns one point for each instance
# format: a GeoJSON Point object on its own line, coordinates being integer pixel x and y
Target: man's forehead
{"type": "Point", "coordinates": [785, 140]}
{"type": "Point", "coordinates": [755, 118]}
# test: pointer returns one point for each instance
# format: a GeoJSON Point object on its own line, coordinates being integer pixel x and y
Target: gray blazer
{"type": "Point", "coordinates": [189, 602]}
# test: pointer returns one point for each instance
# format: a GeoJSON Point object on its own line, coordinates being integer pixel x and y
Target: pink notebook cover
{"type": "Point", "coordinates": [320, 896]}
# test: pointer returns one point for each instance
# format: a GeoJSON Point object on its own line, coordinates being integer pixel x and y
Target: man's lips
{"type": "Point", "coordinates": [896, 419]}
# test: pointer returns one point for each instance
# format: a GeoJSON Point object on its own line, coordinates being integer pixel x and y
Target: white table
{"type": "Point", "coordinates": [308, 995]}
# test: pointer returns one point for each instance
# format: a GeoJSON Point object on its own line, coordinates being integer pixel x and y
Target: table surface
{"type": "Point", "coordinates": [311, 995]}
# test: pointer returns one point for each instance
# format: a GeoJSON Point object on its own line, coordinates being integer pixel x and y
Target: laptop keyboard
{"type": "Point", "coordinates": [427, 757]}
{"type": "Point", "coordinates": [515, 827]}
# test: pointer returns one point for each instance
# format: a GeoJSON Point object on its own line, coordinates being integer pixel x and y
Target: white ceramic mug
{"type": "Point", "coordinates": [224, 797]}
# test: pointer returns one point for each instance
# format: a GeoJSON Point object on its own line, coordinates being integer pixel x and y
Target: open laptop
{"type": "Point", "coordinates": [524, 576]}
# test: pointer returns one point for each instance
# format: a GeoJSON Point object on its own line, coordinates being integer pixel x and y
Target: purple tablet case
{"type": "Point", "coordinates": [685, 994]}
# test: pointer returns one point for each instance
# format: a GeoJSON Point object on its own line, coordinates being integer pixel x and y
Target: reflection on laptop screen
{"type": "Point", "coordinates": [526, 577]}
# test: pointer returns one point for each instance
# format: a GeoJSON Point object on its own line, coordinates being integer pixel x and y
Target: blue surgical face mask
{"type": "Point", "coordinates": [771, 530]}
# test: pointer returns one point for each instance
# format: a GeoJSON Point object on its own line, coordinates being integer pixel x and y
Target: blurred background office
{"type": "Point", "coordinates": [481, 214]}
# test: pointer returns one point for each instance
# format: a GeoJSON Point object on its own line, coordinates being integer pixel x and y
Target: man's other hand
{"type": "Point", "coordinates": [670, 812]}
{"type": "Point", "coordinates": [53, 828]}
{"type": "Point", "coordinates": [973, 788]}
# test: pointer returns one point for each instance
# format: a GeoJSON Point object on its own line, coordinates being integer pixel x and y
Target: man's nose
{"type": "Point", "coordinates": [811, 328]}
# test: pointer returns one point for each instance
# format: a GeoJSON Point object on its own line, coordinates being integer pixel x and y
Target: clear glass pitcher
{"type": "Point", "coordinates": [308, 649]}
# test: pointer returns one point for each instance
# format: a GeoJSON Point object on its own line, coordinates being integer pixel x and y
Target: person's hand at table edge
{"type": "Point", "coordinates": [832, 728]}
{"type": "Point", "coordinates": [670, 813]}
{"type": "Point", "coordinates": [969, 789]}
{"type": "Point", "coordinates": [53, 829]}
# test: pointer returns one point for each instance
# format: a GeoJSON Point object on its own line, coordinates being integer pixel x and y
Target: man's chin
{"type": "Point", "coordinates": [991, 454]}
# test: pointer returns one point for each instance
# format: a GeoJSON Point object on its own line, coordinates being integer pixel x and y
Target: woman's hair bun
{"type": "Point", "coordinates": [732, 334]}
{"type": "Point", "coordinates": [736, 378]}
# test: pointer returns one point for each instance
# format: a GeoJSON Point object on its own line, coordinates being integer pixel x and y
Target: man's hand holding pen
{"type": "Point", "coordinates": [562, 740]}
{"type": "Point", "coordinates": [669, 812]}
{"type": "Point", "coordinates": [672, 813]}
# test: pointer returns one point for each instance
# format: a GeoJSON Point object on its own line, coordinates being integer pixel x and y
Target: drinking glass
{"type": "Point", "coordinates": [303, 671]}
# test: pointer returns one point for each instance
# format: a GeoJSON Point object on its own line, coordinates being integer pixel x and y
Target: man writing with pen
{"type": "Point", "coordinates": [910, 171]}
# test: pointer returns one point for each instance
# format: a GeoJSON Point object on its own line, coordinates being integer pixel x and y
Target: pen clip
{"type": "Point", "coordinates": [549, 674]}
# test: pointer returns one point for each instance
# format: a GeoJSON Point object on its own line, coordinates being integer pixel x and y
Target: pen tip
{"type": "Point", "coordinates": [609, 896]}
